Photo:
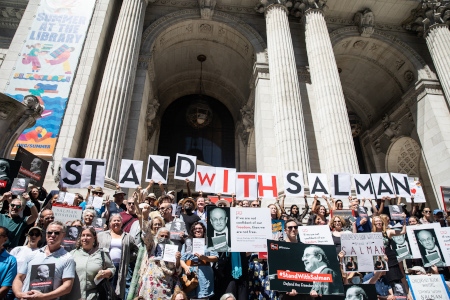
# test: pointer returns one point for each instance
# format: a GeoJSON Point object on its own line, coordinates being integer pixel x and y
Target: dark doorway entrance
{"type": "Point", "coordinates": [213, 144]}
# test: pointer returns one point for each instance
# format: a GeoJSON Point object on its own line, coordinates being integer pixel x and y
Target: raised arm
{"type": "Point", "coordinates": [188, 187]}
{"type": "Point", "coordinates": [314, 205]}
{"type": "Point", "coordinates": [305, 211]}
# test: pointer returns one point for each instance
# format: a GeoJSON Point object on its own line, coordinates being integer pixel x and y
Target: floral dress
{"type": "Point", "coordinates": [157, 279]}
{"type": "Point", "coordinates": [258, 283]}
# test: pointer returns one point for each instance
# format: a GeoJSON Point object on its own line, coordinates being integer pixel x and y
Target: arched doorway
{"type": "Point", "coordinates": [213, 144]}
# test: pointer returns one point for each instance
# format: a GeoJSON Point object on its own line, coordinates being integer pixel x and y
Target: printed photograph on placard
{"type": "Point", "coordinates": [429, 247]}
{"type": "Point", "coordinates": [365, 247]}
{"type": "Point", "coordinates": [348, 215]}
{"type": "Point", "coordinates": [396, 212]}
{"type": "Point", "coordinates": [309, 267]}
{"type": "Point", "coordinates": [8, 171]}
{"type": "Point", "coordinates": [360, 292]}
{"type": "Point", "coordinates": [428, 287]}
{"type": "Point", "coordinates": [401, 247]}
{"type": "Point", "coordinates": [99, 224]}
{"type": "Point", "coordinates": [42, 278]}
{"type": "Point", "coordinates": [70, 240]}
{"type": "Point", "coordinates": [351, 263]}
{"type": "Point", "coordinates": [379, 263]}
{"type": "Point", "coordinates": [33, 167]}
{"type": "Point", "coordinates": [218, 228]}
{"type": "Point", "coordinates": [19, 186]}
{"type": "Point", "coordinates": [278, 232]}
{"type": "Point", "coordinates": [177, 229]}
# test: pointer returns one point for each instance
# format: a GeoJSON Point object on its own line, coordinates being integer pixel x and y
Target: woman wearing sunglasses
{"type": "Point", "coordinates": [22, 253]}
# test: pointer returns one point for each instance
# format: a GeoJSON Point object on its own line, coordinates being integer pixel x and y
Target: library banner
{"type": "Point", "coordinates": [46, 67]}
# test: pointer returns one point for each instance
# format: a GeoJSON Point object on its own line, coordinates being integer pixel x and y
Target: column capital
{"type": "Point", "coordinates": [428, 15]}
{"type": "Point", "coordinates": [293, 8]}
{"type": "Point", "coordinates": [365, 20]}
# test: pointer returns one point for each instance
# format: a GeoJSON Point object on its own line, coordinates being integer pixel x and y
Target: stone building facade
{"type": "Point", "coordinates": [311, 85]}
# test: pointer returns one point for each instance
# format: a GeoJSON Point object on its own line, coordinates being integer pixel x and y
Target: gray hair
{"type": "Point", "coordinates": [58, 223]}
{"type": "Point", "coordinates": [90, 211]}
{"type": "Point", "coordinates": [358, 289]}
{"type": "Point", "coordinates": [115, 215]}
{"type": "Point", "coordinates": [227, 295]}
{"type": "Point", "coordinates": [161, 230]}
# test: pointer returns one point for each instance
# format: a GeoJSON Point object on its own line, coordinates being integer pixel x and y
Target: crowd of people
{"type": "Point", "coordinates": [124, 256]}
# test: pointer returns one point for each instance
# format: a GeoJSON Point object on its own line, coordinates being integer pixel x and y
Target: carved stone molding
{"type": "Point", "coordinates": [420, 90]}
{"type": "Point", "coordinates": [365, 21]}
{"type": "Point", "coordinates": [303, 74]}
{"type": "Point", "coordinates": [428, 14]}
{"type": "Point", "coordinates": [151, 119]}
{"type": "Point", "coordinates": [260, 70]}
{"type": "Point", "coordinates": [245, 126]}
{"type": "Point", "coordinates": [295, 9]}
{"type": "Point", "coordinates": [206, 8]}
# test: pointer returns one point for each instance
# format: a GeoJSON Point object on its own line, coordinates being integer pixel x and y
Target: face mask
{"type": "Point", "coordinates": [356, 280]}
{"type": "Point", "coordinates": [163, 240]}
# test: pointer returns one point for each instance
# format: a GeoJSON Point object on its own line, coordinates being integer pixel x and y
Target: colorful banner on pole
{"type": "Point", "coordinates": [46, 67]}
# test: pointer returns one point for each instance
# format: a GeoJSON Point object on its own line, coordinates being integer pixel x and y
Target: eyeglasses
{"type": "Point", "coordinates": [130, 203]}
{"type": "Point", "coordinates": [427, 211]}
{"type": "Point", "coordinates": [18, 206]}
{"type": "Point", "coordinates": [34, 234]}
{"type": "Point", "coordinates": [53, 232]}
{"type": "Point", "coordinates": [98, 193]}
{"type": "Point", "coordinates": [292, 227]}
{"type": "Point", "coordinates": [337, 221]}
{"type": "Point", "coordinates": [255, 205]}
{"type": "Point", "coordinates": [49, 218]}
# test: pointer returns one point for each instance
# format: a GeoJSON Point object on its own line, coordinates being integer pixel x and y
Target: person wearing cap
{"type": "Point", "coordinates": [152, 201]}
{"type": "Point", "coordinates": [13, 220]}
{"type": "Point", "coordinates": [439, 217]}
{"type": "Point", "coordinates": [222, 203]}
{"type": "Point", "coordinates": [22, 253]}
{"type": "Point", "coordinates": [417, 270]}
{"type": "Point", "coordinates": [188, 215]}
{"type": "Point", "coordinates": [8, 267]}
{"type": "Point", "coordinates": [116, 206]}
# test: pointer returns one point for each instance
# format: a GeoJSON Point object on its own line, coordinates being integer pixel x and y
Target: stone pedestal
{"type": "Point", "coordinates": [290, 136]}
{"type": "Point", "coordinates": [108, 131]}
{"type": "Point", "coordinates": [438, 41]}
{"type": "Point", "coordinates": [338, 154]}
{"type": "Point", "coordinates": [15, 117]}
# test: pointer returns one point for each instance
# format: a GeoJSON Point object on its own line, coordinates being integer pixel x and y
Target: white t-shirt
{"type": "Point", "coordinates": [21, 254]}
{"type": "Point", "coordinates": [115, 250]}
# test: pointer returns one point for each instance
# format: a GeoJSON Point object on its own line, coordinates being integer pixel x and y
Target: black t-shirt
{"type": "Point", "coordinates": [189, 220]}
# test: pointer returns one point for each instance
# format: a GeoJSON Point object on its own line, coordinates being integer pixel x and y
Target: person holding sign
{"type": "Point", "coordinates": [337, 224]}
{"type": "Point", "coordinates": [294, 212]}
{"type": "Point", "coordinates": [395, 273]}
{"type": "Point", "coordinates": [200, 264]}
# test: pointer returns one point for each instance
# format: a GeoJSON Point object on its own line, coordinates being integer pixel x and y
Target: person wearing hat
{"type": "Point", "coordinates": [417, 270]}
{"type": "Point", "coordinates": [222, 203]}
{"type": "Point", "coordinates": [22, 253]}
{"type": "Point", "coordinates": [439, 217]}
{"type": "Point", "coordinates": [117, 206]}
{"type": "Point", "coordinates": [189, 217]}
{"type": "Point", "coordinates": [152, 201]}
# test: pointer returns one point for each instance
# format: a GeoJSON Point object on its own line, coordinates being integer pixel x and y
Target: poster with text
{"type": "Point", "coordinates": [46, 67]}
{"type": "Point", "coordinates": [19, 186]}
{"type": "Point", "coordinates": [416, 190]}
{"type": "Point", "coordinates": [445, 190]}
{"type": "Point", "coordinates": [42, 278]}
{"type": "Point", "coordinates": [363, 251]}
{"type": "Point", "coordinates": [238, 229]}
{"type": "Point", "coordinates": [319, 234]}
{"type": "Point", "coordinates": [428, 287]}
{"type": "Point", "coordinates": [66, 214]}
{"type": "Point", "coordinates": [309, 267]}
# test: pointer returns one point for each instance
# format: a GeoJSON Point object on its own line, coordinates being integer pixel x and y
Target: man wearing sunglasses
{"type": "Point", "coordinates": [13, 221]}
{"type": "Point", "coordinates": [55, 258]}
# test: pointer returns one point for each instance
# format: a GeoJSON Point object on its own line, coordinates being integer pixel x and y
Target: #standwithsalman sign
{"type": "Point", "coordinates": [46, 67]}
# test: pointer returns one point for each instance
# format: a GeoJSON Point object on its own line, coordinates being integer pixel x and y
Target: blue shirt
{"type": "Point", "coordinates": [8, 270]}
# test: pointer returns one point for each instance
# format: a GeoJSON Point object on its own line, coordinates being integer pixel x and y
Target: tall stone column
{"type": "Point", "coordinates": [338, 154]}
{"type": "Point", "coordinates": [290, 135]}
{"type": "Point", "coordinates": [432, 21]}
{"type": "Point", "coordinates": [106, 140]}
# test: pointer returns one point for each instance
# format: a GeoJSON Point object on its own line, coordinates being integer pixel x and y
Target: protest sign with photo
{"type": "Point", "coordinates": [396, 212]}
{"type": "Point", "coordinates": [19, 186]}
{"type": "Point", "coordinates": [177, 229]}
{"type": "Point", "coordinates": [365, 248]}
{"type": "Point", "coordinates": [432, 247]}
{"type": "Point", "coordinates": [310, 267]}
{"type": "Point", "coordinates": [428, 287]}
{"type": "Point", "coordinates": [66, 214]}
{"type": "Point", "coordinates": [8, 171]}
{"type": "Point", "coordinates": [355, 291]}
{"type": "Point", "coordinates": [401, 247]}
{"type": "Point", "coordinates": [362, 212]}
{"type": "Point", "coordinates": [412, 238]}
{"type": "Point", "coordinates": [32, 166]}
{"type": "Point", "coordinates": [70, 240]}
{"type": "Point", "coordinates": [318, 235]}
{"type": "Point", "coordinates": [278, 232]}
{"type": "Point", "coordinates": [42, 278]}
{"type": "Point", "coordinates": [99, 224]}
